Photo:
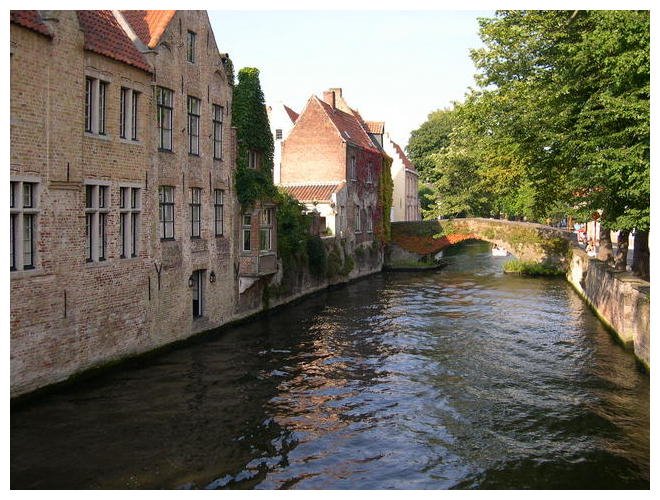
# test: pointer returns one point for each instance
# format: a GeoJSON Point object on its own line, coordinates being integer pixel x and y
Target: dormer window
{"type": "Point", "coordinates": [191, 47]}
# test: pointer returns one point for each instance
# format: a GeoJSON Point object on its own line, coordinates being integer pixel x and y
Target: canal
{"type": "Point", "coordinates": [462, 378]}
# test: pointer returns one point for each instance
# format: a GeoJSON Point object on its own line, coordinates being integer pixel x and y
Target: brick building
{"type": "Point", "coordinates": [330, 163]}
{"type": "Point", "coordinates": [122, 206]}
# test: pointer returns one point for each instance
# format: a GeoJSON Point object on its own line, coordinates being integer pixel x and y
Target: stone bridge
{"type": "Point", "coordinates": [422, 240]}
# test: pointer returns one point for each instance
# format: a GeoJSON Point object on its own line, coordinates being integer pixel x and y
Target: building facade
{"type": "Point", "coordinates": [122, 202]}
{"type": "Point", "coordinates": [330, 163]}
{"type": "Point", "coordinates": [405, 196]}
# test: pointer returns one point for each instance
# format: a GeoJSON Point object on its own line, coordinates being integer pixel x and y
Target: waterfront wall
{"type": "Point", "coordinates": [619, 299]}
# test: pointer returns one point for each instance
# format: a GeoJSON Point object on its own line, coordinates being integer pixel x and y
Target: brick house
{"type": "Point", "coordinates": [330, 163]}
{"type": "Point", "coordinates": [121, 187]}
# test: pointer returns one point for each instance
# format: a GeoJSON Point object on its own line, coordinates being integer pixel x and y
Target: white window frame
{"type": "Point", "coordinates": [254, 159]}
{"type": "Point", "coordinates": [19, 214]}
{"type": "Point", "coordinates": [165, 201]}
{"type": "Point", "coordinates": [130, 208]}
{"type": "Point", "coordinates": [370, 221]}
{"type": "Point", "coordinates": [352, 172]}
{"type": "Point", "coordinates": [246, 232]}
{"type": "Point", "coordinates": [128, 114]}
{"type": "Point", "coordinates": [358, 223]}
{"type": "Point", "coordinates": [96, 100]}
{"type": "Point", "coordinates": [96, 220]}
{"type": "Point", "coordinates": [194, 117]}
{"type": "Point", "coordinates": [218, 212]}
{"type": "Point", "coordinates": [218, 117]}
{"type": "Point", "coordinates": [266, 230]}
{"type": "Point", "coordinates": [165, 117]}
{"type": "Point", "coordinates": [195, 212]}
{"type": "Point", "coordinates": [191, 41]}
{"type": "Point", "coordinates": [370, 175]}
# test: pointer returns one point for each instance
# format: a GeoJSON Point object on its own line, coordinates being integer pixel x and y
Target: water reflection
{"type": "Point", "coordinates": [464, 378]}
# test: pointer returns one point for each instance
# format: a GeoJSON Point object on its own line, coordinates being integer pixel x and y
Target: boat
{"type": "Point", "coordinates": [498, 251]}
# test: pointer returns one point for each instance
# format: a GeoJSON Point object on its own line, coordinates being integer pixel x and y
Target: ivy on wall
{"type": "Point", "coordinates": [250, 118]}
{"type": "Point", "coordinates": [385, 194]}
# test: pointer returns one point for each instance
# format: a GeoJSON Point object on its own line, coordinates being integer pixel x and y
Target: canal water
{"type": "Point", "coordinates": [459, 378]}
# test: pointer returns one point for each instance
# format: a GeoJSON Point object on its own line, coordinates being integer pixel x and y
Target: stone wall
{"type": "Point", "coordinates": [619, 299]}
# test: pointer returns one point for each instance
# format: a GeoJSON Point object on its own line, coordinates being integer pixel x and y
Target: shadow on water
{"type": "Point", "coordinates": [460, 378]}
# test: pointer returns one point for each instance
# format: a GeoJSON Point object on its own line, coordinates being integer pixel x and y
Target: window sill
{"type": "Point", "coordinates": [103, 137]}
{"type": "Point", "coordinates": [219, 235]}
{"type": "Point", "coordinates": [195, 237]}
{"type": "Point", "coordinates": [196, 155]}
{"type": "Point", "coordinates": [218, 159]}
{"type": "Point", "coordinates": [134, 142]}
{"type": "Point", "coordinates": [97, 263]}
{"type": "Point", "coordinates": [26, 273]}
{"type": "Point", "coordinates": [168, 239]}
{"type": "Point", "coordinates": [161, 150]}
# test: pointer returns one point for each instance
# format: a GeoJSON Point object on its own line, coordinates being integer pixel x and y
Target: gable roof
{"type": "Point", "coordinates": [31, 20]}
{"type": "Point", "coordinates": [348, 125]}
{"type": "Point", "coordinates": [292, 114]}
{"type": "Point", "coordinates": [375, 127]}
{"type": "Point", "coordinates": [406, 162]}
{"type": "Point", "coordinates": [149, 25]}
{"type": "Point", "coordinates": [104, 35]}
{"type": "Point", "coordinates": [308, 193]}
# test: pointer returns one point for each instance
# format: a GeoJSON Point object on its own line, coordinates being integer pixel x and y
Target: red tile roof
{"type": "Point", "coordinates": [105, 36]}
{"type": "Point", "coordinates": [149, 25]}
{"type": "Point", "coordinates": [406, 162]}
{"type": "Point", "coordinates": [375, 127]}
{"type": "Point", "coordinates": [292, 114]}
{"type": "Point", "coordinates": [349, 126]}
{"type": "Point", "coordinates": [30, 19]}
{"type": "Point", "coordinates": [308, 193]}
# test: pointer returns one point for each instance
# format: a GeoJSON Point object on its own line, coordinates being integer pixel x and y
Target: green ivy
{"type": "Point", "coordinates": [385, 193]}
{"type": "Point", "coordinates": [250, 118]}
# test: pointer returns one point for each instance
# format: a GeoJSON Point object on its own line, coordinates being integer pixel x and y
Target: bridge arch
{"type": "Point", "coordinates": [420, 240]}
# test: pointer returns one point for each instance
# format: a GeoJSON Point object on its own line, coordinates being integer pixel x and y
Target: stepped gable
{"type": "Point", "coordinates": [292, 114]}
{"type": "Point", "coordinates": [104, 35]}
{"type": "Point", "coordinates": [308, 193]}
{"type": "Point", "coordinates": [406, 162]}
{"type": "Point", "coordinates": [149, 25]}
{"type": "Point", "coordinates": [349, 126]}
{"type": "Point", "coordinates": [31, 20]}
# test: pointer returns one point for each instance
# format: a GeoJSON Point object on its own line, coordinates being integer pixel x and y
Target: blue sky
{"type": "Point", "coordinates": [392, 66]}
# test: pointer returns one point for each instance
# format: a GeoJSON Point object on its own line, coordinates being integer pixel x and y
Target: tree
{"type": "Point", "coordinates": [431, 137]}
{"type": "Point", "coordinates": [255, 141]}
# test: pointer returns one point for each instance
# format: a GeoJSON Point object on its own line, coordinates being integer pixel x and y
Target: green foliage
{"type": "Point", "coordinates": [292, 228]}
{"type": "Point", "coordinates": [426, 197]}
{"type": "Point", "coordinates": [531, 268]}
{"type": "Point", "coordinates": [316, 256]}
{"type": "Point", "coordinates": [432, 136]}
{"type": "Point", "coordinates": [250, 118]}
{"type": "Point", "coordinates": [560, 123]}
{"type": "Point", "coordinates": [385, 197]}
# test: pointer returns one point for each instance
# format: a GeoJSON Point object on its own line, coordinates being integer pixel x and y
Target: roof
{"type": "Point", "coordinates": [349, 126]}
{"type": "Point", "coordinates": [149, 25]}
{"type": "Point", "coordinates": [406, 162]}
{"type": "Point", "coordinates": [375, 127]}
{"type": "Point", "coordinates": [308, 193]}
{"type": "Point", "coordinates": [104, 35]}
{"type": "Point", "coordinates": [31, 20]}
{"type": "Point", "coordinates": [292, 114]}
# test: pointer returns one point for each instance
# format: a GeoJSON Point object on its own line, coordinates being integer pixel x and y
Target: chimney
{"type": "Point", "coordinates": [329, 97]}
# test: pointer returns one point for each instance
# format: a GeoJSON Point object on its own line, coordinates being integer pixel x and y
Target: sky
{"type": "Point", "coordinates": [393, 66]}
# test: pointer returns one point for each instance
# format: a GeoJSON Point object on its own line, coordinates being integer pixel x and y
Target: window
{"type": "Point", "coordinates": [96, 222]}
{"type": "Point", "coordinates": [166, 212]}
{"type": "Point", "coordinates": [254, 159]}
{"type": "Point", "coordinates": [278, 133]}
{"type": "Point", "coordinates": [23, 202]}
{"type": "Point", "coordinates": [193, 125]}
{"type": "Point", "coordinates": [370, 174]}
{"type": "Point", "coordinates": [218, 211]}
{"type": "Point", "coordinates": [129, 220]}
{"type": "Point", "coordinates": [197, 278]}
{"type": "Point", "coordinates": [164, 102]}
{"type": "Point", "coordinates": [370, 221]}
{"type": "Point", "coordinates": [358, 225]}
{"type": "Point", "coordinates": [128, 110]}
{"type": "Point", "coordinates": [217, 131]}
{"type": "Point", "coordinates": [190, 56]}
{"type": "Point", "coordinates": [352, 169]}
{"type": "Point", "coordinates": [195, 209]}
{"type": "Point", "coordinates": [266, 230]}
{"type": "Point", "coordinates": [247, 232]}
{"type": "Point", "coordinates": [95, 105]}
